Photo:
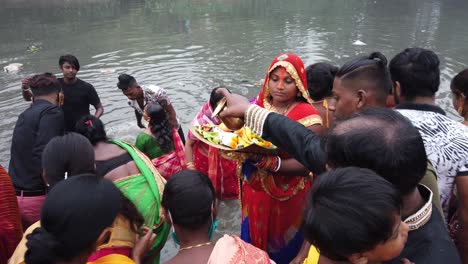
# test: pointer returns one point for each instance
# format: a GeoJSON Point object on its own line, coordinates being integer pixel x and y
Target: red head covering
{"type": "Point", "coordinates": [295, 67]}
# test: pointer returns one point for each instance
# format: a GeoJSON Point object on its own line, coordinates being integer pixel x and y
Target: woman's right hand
{"type": "Point", "coordinates": [143, 244]}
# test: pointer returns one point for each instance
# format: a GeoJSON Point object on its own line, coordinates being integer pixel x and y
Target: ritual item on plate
{"type": "Point", "coordinates": [221, 137]}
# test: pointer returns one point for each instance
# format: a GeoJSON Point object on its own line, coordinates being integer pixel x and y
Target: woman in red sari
{"type": "Point", "coordinates": [209, 160]}
{"type": "Point", "coordinates": [274, 187]}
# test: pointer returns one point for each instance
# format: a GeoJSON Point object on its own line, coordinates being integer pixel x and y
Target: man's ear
{"type": "Point", "coordinates": [166, 216]}
{"type": "Point", "coordinates": [358, 258]}
{"type": "Point", "coordinates": [361, 99]}
{"type": "Point", "coordinates": [397, 91]}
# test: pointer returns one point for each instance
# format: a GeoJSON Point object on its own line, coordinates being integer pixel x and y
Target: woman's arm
{"type": "Point", "coordinates": [189, 153]}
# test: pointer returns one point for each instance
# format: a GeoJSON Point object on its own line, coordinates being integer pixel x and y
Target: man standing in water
{"type": "Point", "coordinates": [139, 97]}
{"type": "Point", "coordinates": [35, 127]}
{"type": "Point", "coordinates": [78, 93]}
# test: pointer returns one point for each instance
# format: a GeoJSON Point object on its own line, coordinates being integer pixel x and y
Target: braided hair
{"type": "Point", "coordinates": [159, 125]}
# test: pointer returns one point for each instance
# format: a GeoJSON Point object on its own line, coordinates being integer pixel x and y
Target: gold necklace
{"type": "Point", "coordinates": [195, 246]}
{"type": "Point", "coordinates": [276, 110]}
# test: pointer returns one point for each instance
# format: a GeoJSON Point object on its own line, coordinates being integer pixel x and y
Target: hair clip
{"type": "Point", "coordinates": [89, 123]}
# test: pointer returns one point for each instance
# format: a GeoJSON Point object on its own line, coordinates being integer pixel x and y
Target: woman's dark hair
{"type": "Point", "coordinates": [189, 196]}
{"type": "Point", "coordinates": [417, 71]}
{"type": "Point", "coordinates": [72, 154]}
{"type": "Point", "coordinates": [92, 128]}
{"type": "Point", "coordinates": [44, 84]}
{"type": "Point", "coordinates": [372, 69]}
{"type": "Point", "coordinates": [126, 81]}
{"type": "Point", "coordinates": [382, 140]}
{"type": "Point", "coordinates": [216, 97]}
{"type": "Point", "coordinates": [350, 210]}
{"type": "Point", "coordinates": [460, 82]}
{"type": "Point", "coordinates": [159, 126]}
{"type": "Point", "coordinates": [75, 213]}
{"type": "Point", "coordinates": [70, 59]}
{"type": "Point", "coordinates": [320, 78]}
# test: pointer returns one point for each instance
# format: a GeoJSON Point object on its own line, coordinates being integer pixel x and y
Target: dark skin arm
{"type": "Point", "coordinates": [138, 118]}
{"type": "Point", "coordinates": [99, 110]}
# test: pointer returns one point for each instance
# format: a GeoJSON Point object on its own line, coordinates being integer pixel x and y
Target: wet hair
{"type": "Point", "coordinates": [72, 154]}
{"type": "Point", "coordinates": [320, 78]}
{"type": "Point", "coordinates": [189, 196]}
{"type": "Point", "coordinates": [216, 97]}
{"type": "Point", "coordinates": [75, 213]}
{"type": "Point", "coordinates": [126, 81]}
{"type": "Point", "coordinates": [350, 210]}
{"type": "Point", "coordinates": [159, 126]}
{"type": "Point", "coordinates": [373, 69]}
{"type": "Point", "coordinates": [417, 71]}
{"type": "Point", "coordinates": [382, 140]}
{"type": "Point", "coordinates": [460, 82]}
{"type": "Point", "coordinates": [92, 128]}
{"type": "Point", "coordinates": [44, 84]}
{"type": "Point", "coordinates": [70, 59]}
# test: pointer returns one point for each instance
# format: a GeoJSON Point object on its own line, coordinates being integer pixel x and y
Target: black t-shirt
{"type": "Point", "coordinates": [77, 98]}
{"type": "Point", "coordinates": [34, 129]}
{"type": "Point", "coordinates": [430, 244]}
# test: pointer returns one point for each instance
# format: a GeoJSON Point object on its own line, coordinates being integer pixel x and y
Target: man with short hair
{"type": "Point", "coordinates": [35, 127]}
{"type": "Point", "coordinates": [416, 77]}
{"type": "Point", "coordinates": [78, 93]}
{"type": "Point", "coordinates": [139, 97]}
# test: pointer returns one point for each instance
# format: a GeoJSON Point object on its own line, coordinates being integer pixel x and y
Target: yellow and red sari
{"type": "Point", "coordinates": [272, 203]}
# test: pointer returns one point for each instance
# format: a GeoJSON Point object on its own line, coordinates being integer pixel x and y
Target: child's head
{"type": "Point", "coordinates": [215, 97]}
{"type": "Point", "coordinates": [354, 215]}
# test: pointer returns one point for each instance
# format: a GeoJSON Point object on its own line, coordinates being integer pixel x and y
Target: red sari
{"type": "Point", "coordinates": [10, 219]}
{"type": "Point", "coordinates": [272, 203]}
{"type": "Point", "coordinates": [208, 160]}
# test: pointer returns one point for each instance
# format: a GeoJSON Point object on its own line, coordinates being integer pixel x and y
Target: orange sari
{"type": "Point", "coordinates": [272, 203]}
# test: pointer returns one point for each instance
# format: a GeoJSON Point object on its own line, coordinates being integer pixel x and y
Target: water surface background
{"type": "Point", "coordinates": [190, 46]}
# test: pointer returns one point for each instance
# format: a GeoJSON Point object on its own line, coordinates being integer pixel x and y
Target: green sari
{"type": "Point", "coordinates": [145, 191]}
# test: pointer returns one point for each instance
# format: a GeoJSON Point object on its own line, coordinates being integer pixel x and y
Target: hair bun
{"type": "Point", "coordinates": [41, 247]}
{"type": "Point", "coordinates": [377, 56]}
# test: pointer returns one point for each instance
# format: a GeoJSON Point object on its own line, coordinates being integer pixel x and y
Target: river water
{"type": "Point", "coordinates": [190, 46]}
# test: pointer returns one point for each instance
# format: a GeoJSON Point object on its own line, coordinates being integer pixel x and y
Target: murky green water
{"type": "Point", "coordinates": [189, 46]}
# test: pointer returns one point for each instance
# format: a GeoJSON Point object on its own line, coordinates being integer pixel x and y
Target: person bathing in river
{"type": "Point", "coordinates": [320, 78]}
{"type": "Point", "coordinates": [139, 97]}
{"type": "Point", "coordinates": [160, 142]}
{"type": "Point", "coordinates": [274, 187]}
{"type": "Point", "coordinates": [208, 159]}
{"type": "Point", "coordinates": [190, 204]}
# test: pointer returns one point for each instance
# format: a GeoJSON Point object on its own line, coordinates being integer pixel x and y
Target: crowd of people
{"type": "Point", "coordinates": [368, 170]}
